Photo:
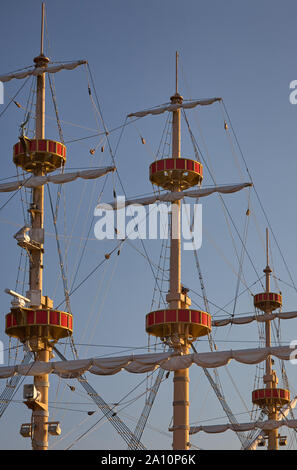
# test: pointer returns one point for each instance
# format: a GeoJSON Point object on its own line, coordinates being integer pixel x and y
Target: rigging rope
{"type": "Point", "coordinates": [222, 201]}
{"type": "Point", "coordinates": [120, 426]}
{"type": "Point", "coordinates": [14, 96]}
{"type": "Point", "coordinates": [258, 197]}
{"type": "Point", "coordinates": [245, 232]}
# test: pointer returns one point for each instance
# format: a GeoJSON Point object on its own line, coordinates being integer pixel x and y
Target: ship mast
{"type": "Point", "coordinates": [32, 319]}
{"type": "Point", "coordinates": [178, 325]}
{"type": "Point", "coordinates": [270, 378]}
{"type": "Point", "coordinates": [271, 398]}
{"type": "Point", "coordinates": [37, 208]}
{"type": "Point", "coordinates": [41, 346]}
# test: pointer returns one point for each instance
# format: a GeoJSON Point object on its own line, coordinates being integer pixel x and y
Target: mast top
{"type": "Point", "coordinates": [42, 29]}
{"type": "Point", "coordinates": [176, 98]}
{"type": "Point", "coordinates": [267, 247]}
{"type": "Point", "coordinates": [176, 72]}
{"type": "Point", "coordinates": [267, 270]}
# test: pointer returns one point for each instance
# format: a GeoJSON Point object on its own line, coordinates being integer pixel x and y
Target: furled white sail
{"type": "Point", "coordinates": [35, 181]}
{"type": "Point", "coordinates": [174, 196]}
{"type": "Point", "coordinates": [227, 189]}
{"type": "Point", "coordinates": [268, 425]}
{"type": "Point", "coordinates": [250, 318]}
{"type": "Point", "coordinates": [146, 362]}
{"type": "Point", "coordinates": [174, 107]}
{"type": "Point", "coordinates": [144, 201]}
{"type": "Point", "coordinates": [41, 70]}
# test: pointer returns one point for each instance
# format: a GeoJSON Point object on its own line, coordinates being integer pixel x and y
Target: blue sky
{"type": "Point", "coordinates": [241, 51]}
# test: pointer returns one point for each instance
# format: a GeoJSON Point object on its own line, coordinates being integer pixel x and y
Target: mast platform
{"type": "Point", "coordinates": [170, 173]}
{"type": "Point", "coordinates": [268, 301]}
{"type": "Point", "coordinates": [191, 323]}
{"type": "Point", "coordinates": [271, 397]}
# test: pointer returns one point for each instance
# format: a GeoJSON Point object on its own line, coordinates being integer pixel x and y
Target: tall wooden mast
{"type": "Point", "coordinates": [178, 325]}
{"type": "Point", "coordinates": [271, 398]}
{"type": "Point", "coordinates": [41, 346]}
{"type": "Point", "coordinates": [181, 377]}
{"type": "Point", "coordinates": [33, 320]}
{"type": "Point", "coordinates": [270, 376]}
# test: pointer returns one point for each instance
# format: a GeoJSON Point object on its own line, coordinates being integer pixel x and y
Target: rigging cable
{"type": "Point", "coordinates": [73, 279]}
{"type": "Point", "coordinates": [258, 197]}
{"type": "Point", "coordinates": [123, 432]}
{"type": "Point", "coordinates": [222, 201]}
{"type": "Point", "coordinates": [14, 96]}
{"type": "Point", "coordinates": [15, 193]}
{"type": "Point", "coordinates": [113, 158]}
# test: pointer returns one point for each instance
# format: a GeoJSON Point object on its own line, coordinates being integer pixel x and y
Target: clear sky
{"type": "Point", "coordinates": [244, 52]}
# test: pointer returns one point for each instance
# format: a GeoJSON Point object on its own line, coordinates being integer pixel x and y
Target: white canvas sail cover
{"type": "Point", "coordinates": [174, 107]}
{"type": "Point", "coordinates": [175, 196]}
{"type": "Point", "coordinates": [250, 318]}
{"type": "Point", "coordinates": [40, 70]}
{"type": "Point", "coordinates": [146, 362]}
{"type": "Point", "coordinates": [35, 181]}
{"type": "Point", "coordinates": [268, 425]}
